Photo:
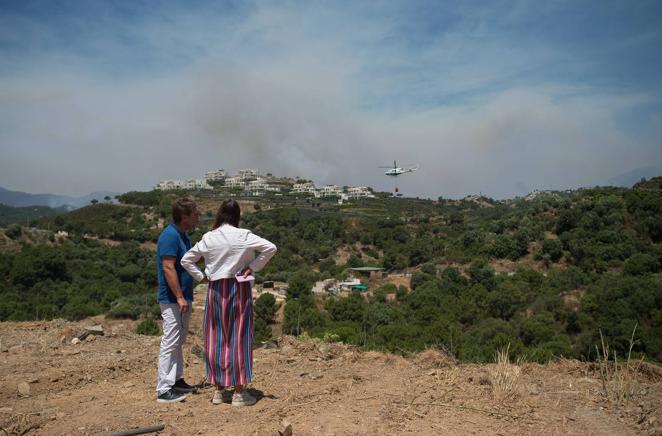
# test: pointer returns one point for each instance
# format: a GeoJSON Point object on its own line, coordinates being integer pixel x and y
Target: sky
{"type": "Point", "coordinates": [498, 98]}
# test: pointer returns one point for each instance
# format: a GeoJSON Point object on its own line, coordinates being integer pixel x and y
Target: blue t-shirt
{"type": "Point", "coordinates": [173, 243]}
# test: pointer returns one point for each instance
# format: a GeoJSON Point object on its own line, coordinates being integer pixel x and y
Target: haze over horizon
{"type": "Point", "coordinates": [501, 98]}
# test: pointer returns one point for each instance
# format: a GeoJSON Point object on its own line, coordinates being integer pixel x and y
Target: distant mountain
{"type": "Point", "coordinates": [631, 177]}
{"type": "Point", "coordinates": [23, 199]}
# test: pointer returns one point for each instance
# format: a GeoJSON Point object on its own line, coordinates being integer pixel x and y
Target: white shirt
{"type": "Point", "coordinates": [227, 250]}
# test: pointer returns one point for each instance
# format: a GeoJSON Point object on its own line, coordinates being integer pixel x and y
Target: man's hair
{"type": "Point", "coordinates": [181, 207]}
{"type": "Point", "coordinates": [228, 213]}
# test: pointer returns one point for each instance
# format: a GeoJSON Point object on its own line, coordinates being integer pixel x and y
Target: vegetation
{"type": "Point", "coordinates": [23, 215]}
{"type": "Point", "coordinates": [539, 277]}
{"type": "Point", "coordinates": [148, 327]}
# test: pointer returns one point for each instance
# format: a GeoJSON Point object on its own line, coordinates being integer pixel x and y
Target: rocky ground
{"type": "Point", "coordinates": [106, 384]}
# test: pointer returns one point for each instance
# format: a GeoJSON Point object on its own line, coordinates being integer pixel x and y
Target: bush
{"type": "Point", "coordinates": [265, 308]}
{"type": "Point", "coordinates": [553, 248]}
{"type": "Point", "coordinates": [262, 330]}
{"type": "Point", "coordinates": [133, 306]}
{"type": "Point", "coordinates": [148, 327]}
{"type": "Point", "coordinates": [640, 264]}
{"type": "Point", "coordinates": [14, 231]}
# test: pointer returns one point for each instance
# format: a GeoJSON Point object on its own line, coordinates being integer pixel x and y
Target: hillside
{"type": "Point", "coordinates": [547, 274]}
{"type": "Point", "coordinates": [51, 386]}
{"type": "Point", "coordinates": [21, 215]}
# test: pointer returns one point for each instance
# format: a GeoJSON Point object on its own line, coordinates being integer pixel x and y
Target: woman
{"type": "Point", "coordinates": [229, 255]}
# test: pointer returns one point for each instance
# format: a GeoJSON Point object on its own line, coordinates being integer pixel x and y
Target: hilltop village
{"type": "Point", "coordinates": [250, 183]}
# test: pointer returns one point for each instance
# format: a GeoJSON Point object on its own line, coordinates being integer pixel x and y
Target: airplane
{"type": "Point", "coordinates": [396, 170]}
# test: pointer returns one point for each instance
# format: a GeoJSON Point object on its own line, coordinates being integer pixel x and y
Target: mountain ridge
{"type": "Point", "coordinates": [25, 199]}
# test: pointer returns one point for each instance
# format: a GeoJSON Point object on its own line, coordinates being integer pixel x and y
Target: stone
{"type": "Point", "coordinates": [33, 380]}
{"type": "Point", "coordinates": [197, 351]}
{"type": "Point", "coordinates": [286, 428]}
{"type": "Point", "coordinates": [75, 341]}
{"type": "Point", "coordinates": [90, 338]}
{"type": "Point", "coordinates": [24, 389]}
{"type": "Point", "coordinates": [533, 389]}
{"type": "Point", "coordinates": [95, 330]}
{"type": "Point", "coordinates": [316, 376]}
{"type": "Point", "coordinates": [68, 332]}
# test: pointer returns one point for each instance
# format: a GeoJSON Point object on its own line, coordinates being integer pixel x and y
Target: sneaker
{"type": "Point", "coordinates": [183, 387]}
{"type": "Point", "coordinates": [170, 396]}
{"type": "Point", "coordinates": [218, 397]}
{"type": "Point", "coordinates": [243, 398]}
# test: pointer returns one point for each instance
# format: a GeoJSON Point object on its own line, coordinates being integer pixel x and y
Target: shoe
{"type": "Point", "coordinates": [218, 397]}
{"type": "Point", "coordinates": [183, 387]}
{"type": "Point", "coordinates": [243, 398]}
{"type": "Point", "coordinates": [170, 396]}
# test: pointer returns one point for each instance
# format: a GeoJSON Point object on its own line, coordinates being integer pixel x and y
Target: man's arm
{"type": "Point", "coordinates": [170, 274]}
{"type": "Point", "coordinates": [191, 258]}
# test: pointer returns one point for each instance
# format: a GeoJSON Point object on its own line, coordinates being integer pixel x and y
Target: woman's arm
{"type": "Point", "coordinates": [191, 258]}
{"type": "Point", "coordinates": [266, 249]}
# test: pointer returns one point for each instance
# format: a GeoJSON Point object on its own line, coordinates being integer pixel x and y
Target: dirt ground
{"type": "Point", "coordinates": [106, 384]}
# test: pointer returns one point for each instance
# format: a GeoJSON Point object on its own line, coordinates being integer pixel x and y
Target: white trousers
{"type": "Point", "coordinates": [171, 358]}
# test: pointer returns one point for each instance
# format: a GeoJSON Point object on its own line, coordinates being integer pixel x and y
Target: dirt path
{"type": "Point", "coordinates": [107, 384]}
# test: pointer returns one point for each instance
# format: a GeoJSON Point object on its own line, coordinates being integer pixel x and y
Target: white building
{"type": "Point", "coordinates": [197, 184]}
{"type": "Point", "coordinates": [359, 192]}
{"type": "Point", "coordinates": [167, 185]}
{"type": "Point", "coordinates": [234, 182]}
{"type": "Point", "coordinates": [303, 188]}
{"type": "Point", "coordinates": [247, 174]}
{"type": "Point", "coordinates": [216, 175]}
{"type": "Point", "coordinates": [329, 191]}
{"type": "Point", "coordinates": [258, 184]}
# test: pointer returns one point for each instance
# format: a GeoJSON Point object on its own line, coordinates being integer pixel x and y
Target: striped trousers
{"type": "Point", "coordinates": [228, 333]}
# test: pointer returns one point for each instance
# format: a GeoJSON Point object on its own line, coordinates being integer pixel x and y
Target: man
{"type": "Point", "coordinates": [175, 297]}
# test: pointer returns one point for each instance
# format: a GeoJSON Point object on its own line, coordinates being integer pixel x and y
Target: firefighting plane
{"type": "Point", "coordinates": [395, 170]}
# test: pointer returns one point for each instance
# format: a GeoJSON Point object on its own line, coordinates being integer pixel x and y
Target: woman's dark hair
{"type": "Point", "coordinates": [228, 213]}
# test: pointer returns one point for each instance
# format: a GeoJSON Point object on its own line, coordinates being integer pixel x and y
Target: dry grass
{"type": "Point", "coordinates": [504, 376]}
{"type": "Point", "coordinates": [434, 359]}
{"type": "Point", "coordinates": [619, 382]}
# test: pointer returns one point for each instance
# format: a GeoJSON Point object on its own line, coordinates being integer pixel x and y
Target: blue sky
{"type": "Point", "coordinates": [497, 97]}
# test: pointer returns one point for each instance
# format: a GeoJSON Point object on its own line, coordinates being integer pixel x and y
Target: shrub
{"type": "Point", "coordinates": [148, 327]}
{"type": "Point", "coordinates": [640, 264]}
{"type": "Point", "coordinates": [265, 308]}
{"type": "Point", "coordinates": [14, 231]}
{"type": "Point", "coordinates": [262, 330]}
{"type": "Point", "coordinates": [553, 248]}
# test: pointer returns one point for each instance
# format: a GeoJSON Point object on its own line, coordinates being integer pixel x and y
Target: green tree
{"type": "Point", "coordinates": [265, 308]}
{"type": "Point", "coordinates": [553, 248]}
